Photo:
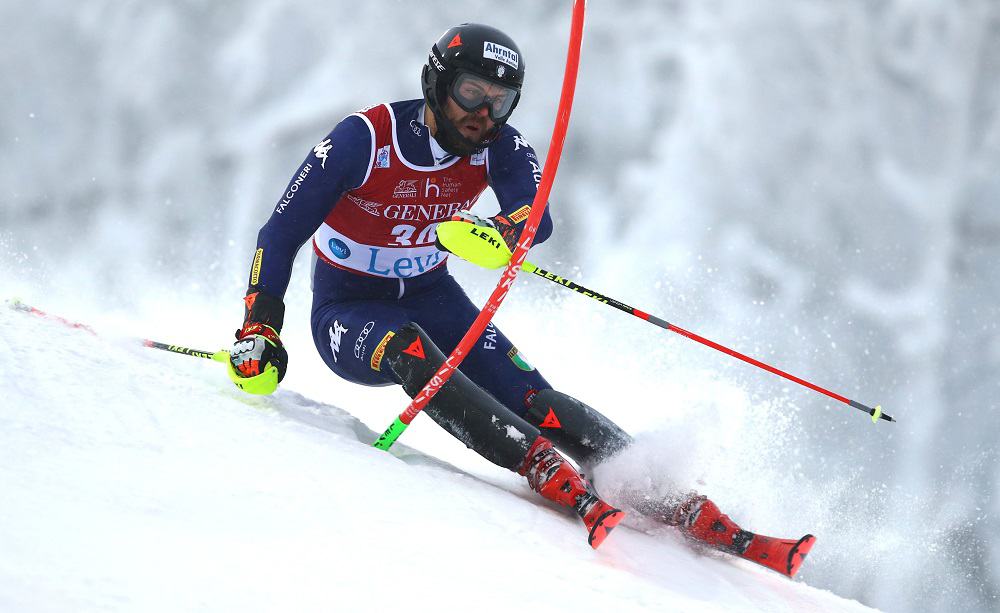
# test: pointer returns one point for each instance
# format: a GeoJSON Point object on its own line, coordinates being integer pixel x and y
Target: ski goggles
{"type": "Point", "coordinates": [473, 93]}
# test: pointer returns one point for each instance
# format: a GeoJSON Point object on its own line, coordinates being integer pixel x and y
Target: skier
{"type": "Point", "coordinates": [371, 196]}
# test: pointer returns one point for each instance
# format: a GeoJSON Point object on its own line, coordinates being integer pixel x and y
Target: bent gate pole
{"type": "Point", "coordinates": [527, 237]}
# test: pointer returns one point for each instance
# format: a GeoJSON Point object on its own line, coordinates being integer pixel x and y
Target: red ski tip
{"type": "Point", "coordinates": [798, 553]}
{"type": "Point", "coordinates": [782, 555]}
{"type": "Point", "coordinates": [603, 526]}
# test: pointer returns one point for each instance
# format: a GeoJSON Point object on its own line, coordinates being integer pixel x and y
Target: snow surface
{"type": "Point", "coordinates": [134, 479]}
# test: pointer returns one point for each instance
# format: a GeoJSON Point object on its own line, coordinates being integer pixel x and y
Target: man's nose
{"type": "Point", "coordinates": [483, 111]}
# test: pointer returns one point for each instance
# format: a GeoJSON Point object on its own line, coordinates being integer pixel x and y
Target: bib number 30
{"type": "Point", "coordinates": [404, 235]}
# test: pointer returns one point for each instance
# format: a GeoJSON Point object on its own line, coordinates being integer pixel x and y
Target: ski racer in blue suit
{"type": "Point", "coordinates": [385, 309]}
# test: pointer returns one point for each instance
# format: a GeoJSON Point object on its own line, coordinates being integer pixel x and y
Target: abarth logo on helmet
{"type": "Point", "coordinates": [500, 53]}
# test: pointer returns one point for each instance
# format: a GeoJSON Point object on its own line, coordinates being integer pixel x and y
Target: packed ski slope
{"type": "Point", "coordinates": [140, 480]}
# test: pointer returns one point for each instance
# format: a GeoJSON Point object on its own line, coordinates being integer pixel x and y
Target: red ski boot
{"type": "Point", "coordinates": [702, 520]}
{"type": "Point", "coordinates": [552, 476]}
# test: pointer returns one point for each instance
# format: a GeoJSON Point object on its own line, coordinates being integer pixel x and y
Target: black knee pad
{"type": "Point", "coordinates": [579, 430]}
{"type": "Point", "coordinates": [461, 407]}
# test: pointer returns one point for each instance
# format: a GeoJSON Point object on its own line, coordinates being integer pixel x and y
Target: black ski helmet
{"type": "Point", "coordinates": [479, 50]}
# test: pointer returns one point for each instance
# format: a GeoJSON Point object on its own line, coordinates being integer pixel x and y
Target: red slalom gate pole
{"type": "Point", "coordinates": [520, 252]}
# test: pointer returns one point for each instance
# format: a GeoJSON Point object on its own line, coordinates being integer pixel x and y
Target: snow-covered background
{"type": "Point", "coordinates": [813, 183]}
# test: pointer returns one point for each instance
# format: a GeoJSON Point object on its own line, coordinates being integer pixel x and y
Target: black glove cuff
{"type": "Point", "coordinates": [510, 232]}
{"type": "Point", "coordinates": [262, 308]}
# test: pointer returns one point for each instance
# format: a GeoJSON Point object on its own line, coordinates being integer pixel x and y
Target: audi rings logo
{"type": "Point", "coordinates": [339, 248]}
{"type": "Point", "coordinates": [360, 343]}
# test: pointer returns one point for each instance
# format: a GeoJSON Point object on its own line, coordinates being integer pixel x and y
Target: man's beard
{"type": "Point", "coordinates": [452, 140]}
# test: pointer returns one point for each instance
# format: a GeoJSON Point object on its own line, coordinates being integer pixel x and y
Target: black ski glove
{"type": "Point", "coordinates": [509, 232]}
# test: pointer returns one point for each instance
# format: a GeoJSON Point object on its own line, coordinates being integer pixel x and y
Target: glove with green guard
{"type": "Point", "coordinates": [258, 360]}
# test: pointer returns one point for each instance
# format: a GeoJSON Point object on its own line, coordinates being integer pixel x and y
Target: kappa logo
{"type": "Point", "coordinates": [321, 150]}
{"type": "Point", "coordinates": [407, 188]}
{"type": "Point", "coordinates": [336, 332]}
{"type": "Point", "coordinates": [360, 343]}
{"type": "Point", "coordinates": [382, 157]}
{"type": "Point", "coordinates": [500, 53]}
{"type": "Point", "coordinates": [520, 141]}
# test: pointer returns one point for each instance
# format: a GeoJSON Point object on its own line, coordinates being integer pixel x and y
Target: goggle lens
{"type": "Point", "coordinates": [472, 93]}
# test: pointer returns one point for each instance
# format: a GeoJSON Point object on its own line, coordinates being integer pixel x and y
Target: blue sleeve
{"type": "Point", "coordinates": [514, 174]}
{"type": "Point", "coordinates": [337, 164]}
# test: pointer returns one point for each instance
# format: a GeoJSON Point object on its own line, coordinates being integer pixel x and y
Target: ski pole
{"type": "Point", "coordinates": [485, 247]}
{"type": "Point", "coordinates": [876, 412]}
{"type": "Point", "coordinates": [218, 356]}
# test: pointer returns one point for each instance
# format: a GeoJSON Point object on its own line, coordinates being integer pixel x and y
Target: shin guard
{"type": "Point", "coordinates": [579, 430]}
{"type": "Point", "coordinates": [461, 407]}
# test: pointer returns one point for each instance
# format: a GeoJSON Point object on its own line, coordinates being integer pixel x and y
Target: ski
{"type": "Point", "coordinates": [701, 520]}
{"type": "Point", "coordinates": [782, 555]}
{"type": "Point", "coordinates": [600, 521]}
